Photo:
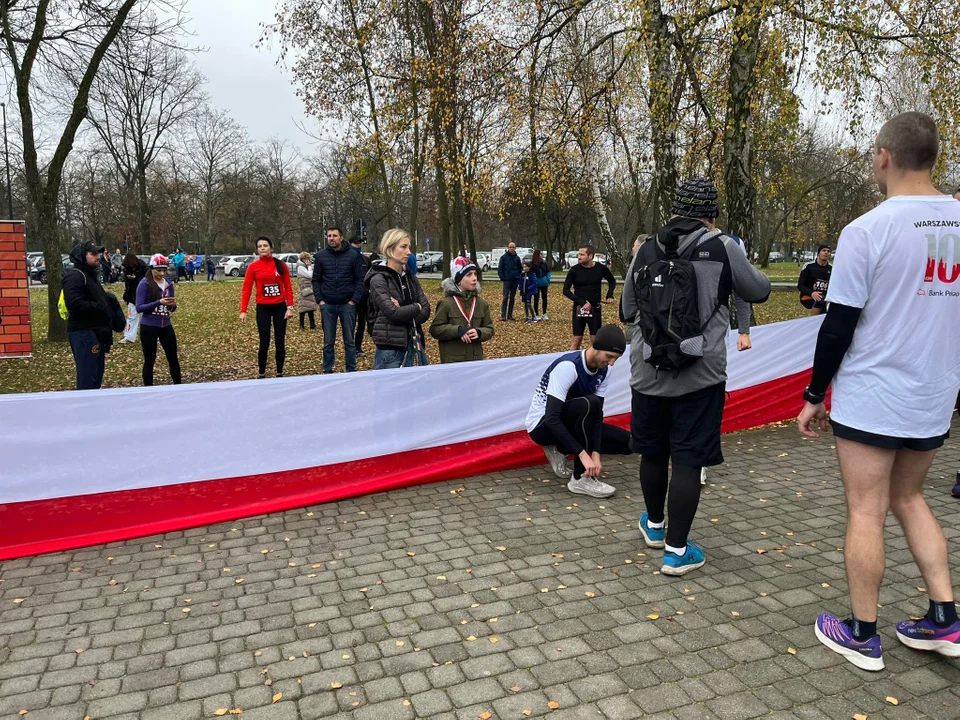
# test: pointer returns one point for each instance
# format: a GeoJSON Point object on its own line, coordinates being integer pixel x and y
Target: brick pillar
{"type": "Point", "coordinates": [15, 338]}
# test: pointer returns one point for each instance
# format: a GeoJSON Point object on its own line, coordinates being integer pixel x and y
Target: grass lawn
{"type": "Point", "coordinates": [783, 271]}
{"type": "Point", "coordinates": [214, 346]}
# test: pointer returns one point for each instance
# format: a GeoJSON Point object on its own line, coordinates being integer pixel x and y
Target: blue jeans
{"type": "Point", "coordinates": [388, 358]}
{"type": "Point", "coordinates": [88, 354]}
{"type": "Point", "coordinates": [347, 315]}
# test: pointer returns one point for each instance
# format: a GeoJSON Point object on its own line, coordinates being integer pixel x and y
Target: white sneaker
{"type": "Point", "coordinates": [590, 486]}
{"type": "Point", "coordinates": [703, 476]}
{"type": "Point", "coordinates": [546, 317]}
{"type": "Point", "coordinates": [558, 461]}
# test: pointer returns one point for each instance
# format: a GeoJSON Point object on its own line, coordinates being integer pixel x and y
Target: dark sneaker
{"type": "Point", "coordinates": [653, 537]}
{"type": "Point", "coordinates": [925, 635]}
{"type": "Point", "coordinates": [956, 490]}
{"type": "Point", "coordinates": [692, 559]}
{"type": "Point", "coordinates": [835, 634]}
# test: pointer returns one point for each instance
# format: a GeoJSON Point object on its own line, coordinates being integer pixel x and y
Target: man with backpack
{"type": "Point", "coordinates": [677, 296]}
{"type": "Point", "coordinates": [89, 316]}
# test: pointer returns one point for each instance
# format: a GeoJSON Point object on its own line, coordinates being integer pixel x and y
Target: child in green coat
{"type": "Point", "coordinates": [462, 322]}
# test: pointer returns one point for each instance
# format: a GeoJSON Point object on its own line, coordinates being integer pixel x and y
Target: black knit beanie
{"type": "Point", "coordinates": [696, 197]}
{"type": "Point", "coordinates": [610, 338]}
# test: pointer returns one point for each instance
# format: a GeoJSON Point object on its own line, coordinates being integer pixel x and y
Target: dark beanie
{"type": "Point", "coordinates": [696, 197]}
{"type": "Point", "coordinates": [610, 338]}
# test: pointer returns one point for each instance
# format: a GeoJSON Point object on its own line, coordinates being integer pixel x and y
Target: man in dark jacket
{"type": "Point", "coordinates": [510, 269]}
{"type": "Point", "coordinates": [88, 326]}
{"type": "Point", "coordinates": [356, 244]}
{"type": "Point", "coordinates": [338, 274]}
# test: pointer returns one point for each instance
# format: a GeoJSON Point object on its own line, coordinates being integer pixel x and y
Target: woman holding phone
{"type": "Point", "coordinates": [274, 302]}
{"type": "Point", "coordinates": [155, 300]}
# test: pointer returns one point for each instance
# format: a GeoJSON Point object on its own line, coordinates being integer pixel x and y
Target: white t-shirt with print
{"type": "Point", "coordinates": [900, 262]}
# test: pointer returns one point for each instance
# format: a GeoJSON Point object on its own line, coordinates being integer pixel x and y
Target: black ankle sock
{"type": "Point", "coordinates": [942, 614]}
{"type": "Point", "coordinates": [862, 630]}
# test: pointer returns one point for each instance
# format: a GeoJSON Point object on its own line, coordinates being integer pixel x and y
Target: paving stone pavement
{"type": "Point", "coordinates": [501, 594]}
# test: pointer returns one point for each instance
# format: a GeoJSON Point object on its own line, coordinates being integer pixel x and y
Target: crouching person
{"type": "Point", "coordinates": [462, 322]}
{"type": "Point", "coordinates": [566, 415]}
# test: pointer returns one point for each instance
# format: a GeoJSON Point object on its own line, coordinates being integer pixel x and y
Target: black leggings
{"type": "Point", "coordinates": [540, 298]}
{"type": "Point", "coordinates": [277, 314]}
{"type": "Point", "coordinates": [684, 495]}
{"type": "Point", "coordinates": [313, 322]}
{"type": "Point", "coordinates": [581, 417]}
{"type": "Point", "coordinates": [149, 336]}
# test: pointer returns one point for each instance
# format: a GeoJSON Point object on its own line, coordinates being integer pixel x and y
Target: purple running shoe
{"type": "Point", "coordinates": [925, 635]}
{"type": "Point", "coordinates": [835, 634]}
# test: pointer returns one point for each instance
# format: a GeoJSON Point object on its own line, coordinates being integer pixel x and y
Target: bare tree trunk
{"type": "Point", "coordinates": [737, 150]}
{"type": "Point", "coordinates": [663, 123]}
{"type": "Point", "coordinates": [144, 212]}
{"type": "Point", "coordinates": [43, 191]}
{"type": "Point", "coordinates": [600, 211]}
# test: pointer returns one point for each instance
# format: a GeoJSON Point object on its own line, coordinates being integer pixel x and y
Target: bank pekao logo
{"type": "Point", "coordinates": [940, 250]}
{"type": "Point", "coordinates": [922, 292]}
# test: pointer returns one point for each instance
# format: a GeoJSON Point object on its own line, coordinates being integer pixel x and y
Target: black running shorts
{"type": "Point", "coordinates": [686, 427]}
{"type": "Point", "coordinates": [888, 442]}
{"type": "Point", "coordinates": [593, 322]}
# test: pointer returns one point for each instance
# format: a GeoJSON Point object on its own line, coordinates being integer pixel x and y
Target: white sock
{"type": "Point", "coordinates": [656, 526]}
{"type": "Point", "coordinates": [675, 551]}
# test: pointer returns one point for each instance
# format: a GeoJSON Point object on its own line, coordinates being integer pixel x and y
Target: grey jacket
{"type": "Point", "coordinates": [391, 324]}
{"type": "Point", "coordinates": [722, 268]}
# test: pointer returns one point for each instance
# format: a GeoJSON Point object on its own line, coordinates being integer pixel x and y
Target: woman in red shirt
{"type": "Point", "coordinates": [274, 302]}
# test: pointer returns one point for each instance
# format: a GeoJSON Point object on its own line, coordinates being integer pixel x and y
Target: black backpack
{"type": "Point", "coordinates": [668, 314]}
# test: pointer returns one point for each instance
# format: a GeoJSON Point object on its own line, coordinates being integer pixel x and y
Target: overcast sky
{"type": "Point", "coordinates": [243, 79]}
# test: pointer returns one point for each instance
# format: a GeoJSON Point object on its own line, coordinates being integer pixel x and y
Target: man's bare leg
{"type": "Point", "coordinates": [866, 479]}
{"type": "Point", "coordinates": [577, 341]}
{"type": "Point", "coordinates": [923, 533]}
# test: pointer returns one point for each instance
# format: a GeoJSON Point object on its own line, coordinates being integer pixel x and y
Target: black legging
{"type": "Point", "coordinates": [684, 495]}
{"type": "Point", "coordinates": [313, 321]}
{"type": "Point", "coordinates": [540, 298]}
{"type": "Point", "coordinates": [361, 325]}
{"type": "Point", "coordinates": [149, 336]}
{"type": "Point", "coordinates": [581, 417]}
{"type": "Point", "coordinates": [265, 314]}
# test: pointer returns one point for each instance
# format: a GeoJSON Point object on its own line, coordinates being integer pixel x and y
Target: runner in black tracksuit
{"type": "Point", "coordinates": [583, 285]}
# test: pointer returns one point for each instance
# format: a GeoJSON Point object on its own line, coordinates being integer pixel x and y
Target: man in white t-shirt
{"type": "Point", "coordinates": [890, 344]}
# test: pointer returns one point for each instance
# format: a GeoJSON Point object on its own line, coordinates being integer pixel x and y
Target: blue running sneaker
{"type": "Point", "coordinates": [836, 635]}
{"type": "Point", "coordinates": [674, 564]}
{"type": "Point", "coordinates": [925, 635]}
{"type": "Point", "coordinates": [653, 537]}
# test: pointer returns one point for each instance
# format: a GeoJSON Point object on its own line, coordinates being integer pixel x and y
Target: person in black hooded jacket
{"type": "Point", "coordinates": [88, 324]}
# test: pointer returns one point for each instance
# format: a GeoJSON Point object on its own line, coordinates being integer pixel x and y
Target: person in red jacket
{"type": "Point", "coordinates": [274, 302]}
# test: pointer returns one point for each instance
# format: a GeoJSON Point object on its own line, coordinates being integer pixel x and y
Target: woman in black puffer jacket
{"type": "Point", "coordinates": [398, 307]}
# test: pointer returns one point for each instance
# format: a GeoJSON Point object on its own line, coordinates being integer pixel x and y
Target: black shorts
{"type": "Point", "coordinates": [686, 427]}
{"type": "Point", "coordinates": [886, 441]}
{"type": "Point", "coordinates": [593, 322]}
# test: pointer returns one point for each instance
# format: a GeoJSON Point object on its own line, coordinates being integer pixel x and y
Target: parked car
{"type": "Point", "coordinates": [432, 261]}
{"type": "Point", "coordinates": [483, 261]}
{"type": "Point", "coordinates": [33, 257]}
{"type": "Point", "coordinates": [570, 258]}
{"type": "Point", "coordinates": [242, 270]}
{"type": "Point", "coordinates": [39, 271]}
{"type": "Point", "coordinates": [291, 260]}
{"type": "Point", "coordinates": [232, 266]}
{"type": "Point", "coordinates": [776, 256]}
